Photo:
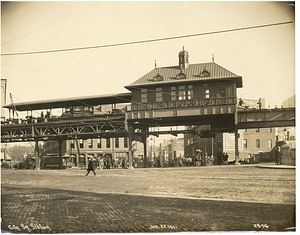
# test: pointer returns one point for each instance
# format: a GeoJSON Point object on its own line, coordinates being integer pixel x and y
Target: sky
{"type": "Point", "coordinates": [264, 57]}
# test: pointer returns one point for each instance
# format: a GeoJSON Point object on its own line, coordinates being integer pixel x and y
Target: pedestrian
{"type": "Point", "coordinates": [259, 103]}
{"type": "Point", "coordinates": [101, 163]}
{"type": "Point", "coordinates": [241, 102]}
{"type": "Point", "coordinates": [223, 158]}
{"type": "Point", "coordinates": [277, 155]}
{"type": "Point", "coordinates": [226, 158]}
{"type": "Point", "coordinates": [123, 163]}
{"type": "Point", "coordinates": [108, 163]}
{"type": "Point", "coordinates": [91, 167]}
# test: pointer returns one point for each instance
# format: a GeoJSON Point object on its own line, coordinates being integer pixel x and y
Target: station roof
{"type": "Point", "coordinates": [194, 73]}
{"type": "Point", "coordinates": [71, 102]}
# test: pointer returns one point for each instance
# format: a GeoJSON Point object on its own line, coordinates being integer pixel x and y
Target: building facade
{"type": "Point", "coordinates": [185, 90]}
{"type": "Point", "coordinates": [80, 151]}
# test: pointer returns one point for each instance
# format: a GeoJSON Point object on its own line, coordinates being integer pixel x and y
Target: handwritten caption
{"type": "Point", "coordinates": [163, 226]}
{"type": "Point", "coordinates": [29, 227]}
{"type": "Point", "coordinates": [261, 226]}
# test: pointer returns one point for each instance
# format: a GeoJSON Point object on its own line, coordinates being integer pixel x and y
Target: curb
{"type": "Point", "coordinates": [274, 166]}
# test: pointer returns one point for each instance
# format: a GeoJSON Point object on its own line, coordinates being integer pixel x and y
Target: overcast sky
{"type": "Point", "coordinates": [264, 57]}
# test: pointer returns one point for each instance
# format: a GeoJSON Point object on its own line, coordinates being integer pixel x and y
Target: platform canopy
{"type": "Point", "coordinates": [72, 102]}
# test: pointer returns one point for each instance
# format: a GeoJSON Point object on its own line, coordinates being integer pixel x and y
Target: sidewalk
{"type": "Point", "coordinates": [275, 166]}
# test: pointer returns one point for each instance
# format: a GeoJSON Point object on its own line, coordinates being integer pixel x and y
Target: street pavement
{"type": "Point", "coordinates": [214, 198]}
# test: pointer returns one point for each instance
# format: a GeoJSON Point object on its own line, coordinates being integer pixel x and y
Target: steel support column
{"type": "Point", "coordinates": [236, 145]}
{"type": "Point", "coordinates": [36, 153]}
{"type": "Point", "coordinates": [236, 139]}
{"type": "Point", "coordinates": [60, 143]}
{"type": "Point", "coordinates": [145, 150]}
{"type": "Point", "coordinates": [130, 151]}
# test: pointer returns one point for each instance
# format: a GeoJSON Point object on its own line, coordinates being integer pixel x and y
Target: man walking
{"type": "Point", "coordinates": [277, 155]}
{"type": "Point", "coordinates": [91, 167]}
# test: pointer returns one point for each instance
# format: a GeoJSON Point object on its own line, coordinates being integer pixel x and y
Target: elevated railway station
{"type": "Point", "coordinates": [182, 95]}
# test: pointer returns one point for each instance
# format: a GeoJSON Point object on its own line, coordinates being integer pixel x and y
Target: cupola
{"type": "Point", "coordinates": [183, 59]}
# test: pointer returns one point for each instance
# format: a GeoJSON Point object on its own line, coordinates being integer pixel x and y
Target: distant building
{"type": "Point", "coordinates": [287, 134]}
{"type": "Point", "coordinates": [167, 153]}
{"type": "Point", "coordinates": [290, 102]}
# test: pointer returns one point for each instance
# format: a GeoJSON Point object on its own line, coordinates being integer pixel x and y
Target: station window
{"type": "Point", "coordinates": [222, 92]}
{"type": "Point", "coordinates": [108, 143]}
{"type": "Point", "coordinates": [181, 93]}
{"type": "Point", "coordinates": [207, 93]}
{"type": "Point", "coordinates": [99, 143]}
{"type": "Point", "coordinates": [144, 95]}
{"type": "Point", "coordinates": [90, 143]}
{"type": "Point", "coordinates": [190, 92]}
{"type": "Point", "coordinates": [173, 93]}
{"type": "Point", "coordinates": [245, 143]}
{"type": "Point", "coordinates": [116, 142]}
{"type": "Point", "coordinates": [269, 144]}
{"type": "Point", "coordinates": [125, 142]}
{"type": "Point", "coordinates": [258, 143]}
{"type": "Point", "coordinates": [81, 143]}
{"type": "Point", "coordinates": [158, 94]}
{"type": "Point", "coordinates": [72, 144]}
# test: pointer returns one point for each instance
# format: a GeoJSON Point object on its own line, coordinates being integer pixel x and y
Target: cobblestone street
{"type": "Point", "coordinates": [216, 198]}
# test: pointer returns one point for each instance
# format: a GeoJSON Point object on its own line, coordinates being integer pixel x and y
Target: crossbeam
{"type": "Point", "coordinates": [112, 126]}
{"type": "Point", "coordinates": [266, 118]}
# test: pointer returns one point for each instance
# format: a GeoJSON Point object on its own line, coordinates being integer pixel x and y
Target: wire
{"type": "Point", "coordinates": [49, 24]}
{"type": "Point", "coordinates": [51, 91]}
{"type": "Point", "coordinates": [145, 41]}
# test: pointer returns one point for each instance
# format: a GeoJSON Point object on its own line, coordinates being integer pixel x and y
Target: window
{"type": "Point", "coordinates": [246, 130]}
{"type": "Point", "coordinates": [257, 129]}
{"type": "Point", "coordinates": [222, 92]}
{"type": "Point", "coordinates": [117, 142]}
{"type": "Point", "coordinates": [173, 93]}
{"type": "Point", "coordinates": [81, 143]}
{"type": "Point", "coordinates": [181, 93]}
{"type": "Point", "coordinates": [144, 95]}
{"type": "Point", "coordinates": [219, 144]}
{"type": "Point", "coordinates": [108, 143]}
{"type": "Point", "coordinates": [90, 143]}
{"type": "Point", "coordinates": [158, 94]}
{"type": "Point", "coordinates": [72, 144]}
{"type": "Point", "coordinates": [269, 144]}
{"type": "Point", "coordinates": [190, 92]}
{"type": "Point", "coordinates": [271, 130]}
{"type": "Point", "coordinates": [125, 143]}
{"type": "Point", "coordinates": [99, 143]}
{"type": "Point", "coordinates": [258, 143]}
{"type": "Point", "coordinates": [245, 143]}
{"type": "Point", "coordinates": [207, 93]}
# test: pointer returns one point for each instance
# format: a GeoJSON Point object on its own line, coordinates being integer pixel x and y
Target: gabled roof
{"type": "Point", "coordinates": [194, 73]}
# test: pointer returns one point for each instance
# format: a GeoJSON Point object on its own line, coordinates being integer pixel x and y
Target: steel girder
{"type": "Point", "coordinates": [64, 129]}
